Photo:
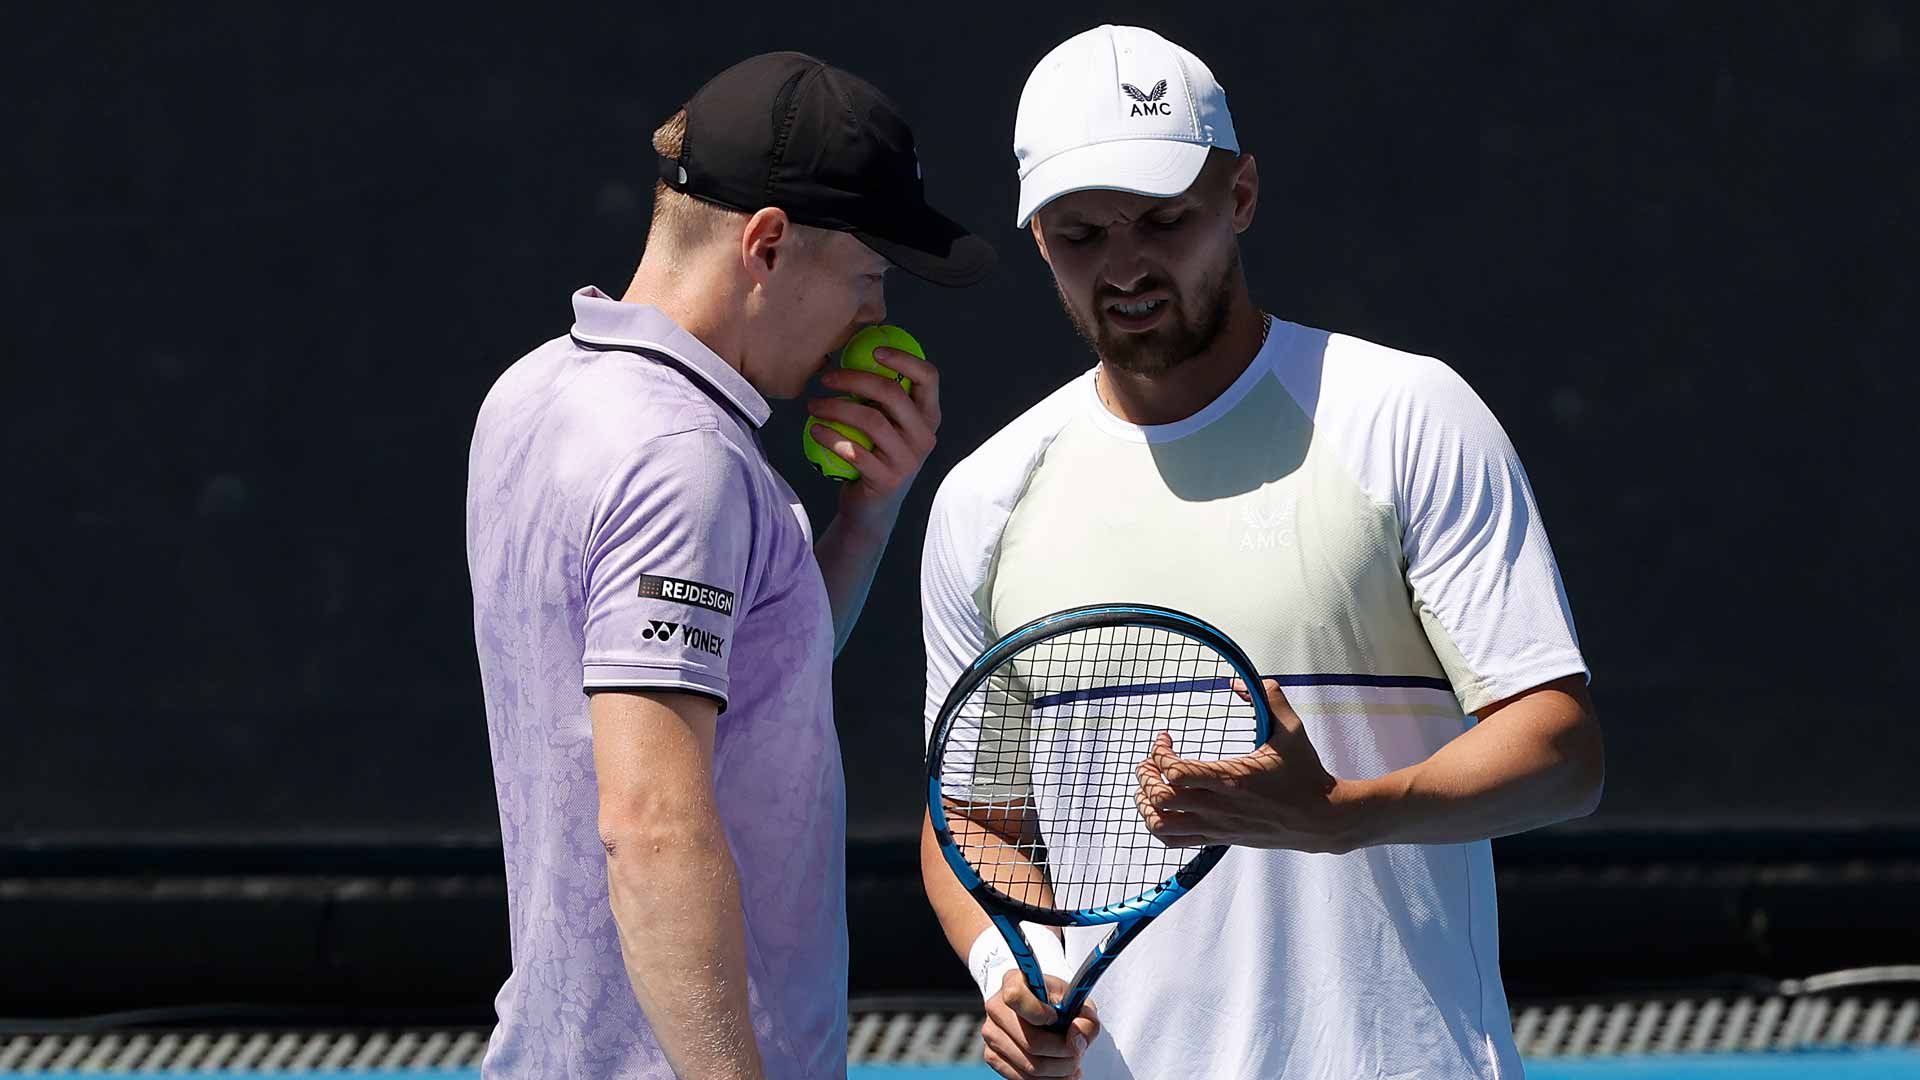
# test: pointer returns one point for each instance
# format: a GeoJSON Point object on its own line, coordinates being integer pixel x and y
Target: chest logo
{"type": "Point", "coordinates": [1148, 103]}
{"type": "Point", "coordinates": [1269, 521]}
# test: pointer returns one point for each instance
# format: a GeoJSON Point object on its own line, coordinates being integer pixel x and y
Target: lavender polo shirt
{"type": "Point", "coordinates": [625, 531]}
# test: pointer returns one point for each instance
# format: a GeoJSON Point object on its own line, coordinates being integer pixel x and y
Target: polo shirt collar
{"type": "Point", "coordinates": [600, 320]}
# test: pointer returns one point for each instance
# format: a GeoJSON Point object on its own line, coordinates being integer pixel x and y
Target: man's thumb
{"type": "Point", "coordinates": [1017, 996]}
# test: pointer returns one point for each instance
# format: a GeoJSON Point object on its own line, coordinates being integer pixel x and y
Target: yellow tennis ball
{"type": "Point", "coordinates": [858, 355]}
{"type": "Point", "coordinates": [832, 465]}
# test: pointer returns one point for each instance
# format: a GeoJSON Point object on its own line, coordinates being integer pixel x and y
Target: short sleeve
{"type": "Point", "coordinates": [952, 573]}
{"type": "Point", "coordinates": [665, 566]}
{"type": "Point", "coordinates": [1482, 575]}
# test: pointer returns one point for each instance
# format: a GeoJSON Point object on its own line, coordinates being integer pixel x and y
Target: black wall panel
{"type": "Point", "coordinates": [261, 263]}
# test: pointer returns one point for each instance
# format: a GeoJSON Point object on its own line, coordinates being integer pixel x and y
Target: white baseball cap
{"type": "Point", "coordinates": [1119, 108]}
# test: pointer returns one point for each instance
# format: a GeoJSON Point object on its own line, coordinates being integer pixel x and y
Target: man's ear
{"type": "Point", "coordinates": [1245, 190]}
{"type": "Point", "coordinates": [769, 236]}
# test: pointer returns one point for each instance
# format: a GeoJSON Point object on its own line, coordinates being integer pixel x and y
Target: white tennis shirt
{"type": "Point", "coordinates": [1355, 518]}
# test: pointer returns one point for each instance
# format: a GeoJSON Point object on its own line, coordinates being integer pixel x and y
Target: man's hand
{"type": "Point", "coordinates": [1532, 759]}
{"type": "Point", "coordinates": [901, 425]}
{"type": "Point", "coordinates": [1019, 1047]}
{"type": "Point", "coordinates": [1278, 796]}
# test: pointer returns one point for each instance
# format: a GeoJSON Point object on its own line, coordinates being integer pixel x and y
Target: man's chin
{"type": "Point", "coordinates": [1149, 352]}
{"type": "Point", "coordinates": [800, 387]}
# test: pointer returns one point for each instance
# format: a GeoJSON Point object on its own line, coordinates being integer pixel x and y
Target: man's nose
{"type": "Point", "coordinates": [1126, 267]}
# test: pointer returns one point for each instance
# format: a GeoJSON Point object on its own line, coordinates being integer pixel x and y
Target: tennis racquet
{"type": "Point", "coordinates": [1030, 771]}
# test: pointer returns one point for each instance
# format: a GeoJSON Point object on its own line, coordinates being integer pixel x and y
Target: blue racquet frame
{"type": "Point", "coordinates": [1129, 916]}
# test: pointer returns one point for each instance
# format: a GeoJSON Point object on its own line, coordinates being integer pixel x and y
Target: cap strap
{"type": "Point", "coordinates": [672, 172]}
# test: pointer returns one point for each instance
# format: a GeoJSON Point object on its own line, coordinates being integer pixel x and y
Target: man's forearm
{"type": "Point", "coordinates": [676, 901]}
{"type": "Point", "coordinates": [1530, 762]}
{"type": "Point", "coordinates": [960, 917]}
{"type": "Point", "coordinates": [849, 554]}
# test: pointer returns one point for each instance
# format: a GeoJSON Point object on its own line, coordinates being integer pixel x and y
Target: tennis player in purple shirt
{"type": "Point", "coordinates": [675, 833]}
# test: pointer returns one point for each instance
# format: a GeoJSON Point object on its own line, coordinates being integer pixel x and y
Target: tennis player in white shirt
{"type": "Point", "coordinates": [1356, 519]}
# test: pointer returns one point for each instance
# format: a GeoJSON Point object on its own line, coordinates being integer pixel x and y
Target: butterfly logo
{"type": "Point", "coordinates": [1148, 102]}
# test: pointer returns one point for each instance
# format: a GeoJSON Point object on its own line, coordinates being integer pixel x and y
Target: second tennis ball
{"type": "Point", "coordinates": [858, 355]}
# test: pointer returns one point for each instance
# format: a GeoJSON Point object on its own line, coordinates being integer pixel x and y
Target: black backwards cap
{"type": "Point", "coordinates": [784, 129]}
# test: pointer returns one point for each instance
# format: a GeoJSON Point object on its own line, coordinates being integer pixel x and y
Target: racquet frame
{"type": "Point", "coordinates": [1129, 916]}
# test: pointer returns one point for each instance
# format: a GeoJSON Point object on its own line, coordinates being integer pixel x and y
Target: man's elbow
{"type": "Point", "coordinates": [640, 835]}
{"type": "Point", "coordinates": [1587, 768]}
{"type": "Point", "coordinates": [1593, 783]}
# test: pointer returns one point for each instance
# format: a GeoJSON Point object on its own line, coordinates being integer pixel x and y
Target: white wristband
{"type": "Point", "coordinates": [990, 959]}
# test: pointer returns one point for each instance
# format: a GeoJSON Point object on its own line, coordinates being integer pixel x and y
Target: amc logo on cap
{"type": "Point", "coordinates": [1151, 103]}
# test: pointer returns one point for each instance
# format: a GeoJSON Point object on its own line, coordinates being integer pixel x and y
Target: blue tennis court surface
{"type": "Point", "coordinates": [1809, 1065]}
{"type": "Point", "coordinates": [1800, 1065]}
{"type": "Point", "coordinates": [1806, 1064]}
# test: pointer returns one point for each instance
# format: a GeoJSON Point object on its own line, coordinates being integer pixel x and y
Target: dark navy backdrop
{"type": "Point", "coordinates": [261, 264]}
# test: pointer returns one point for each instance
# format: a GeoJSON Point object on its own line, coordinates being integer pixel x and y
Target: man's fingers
{"type": "Point", "coordinates": [922, 372]}
{"type": "Point", "coordinates": [1284, 718]}
{"type": "Point", "coordinates": [1027, 1048]}
{"type": "Point", "coordinates": [1020, 1001]}
{"type": "Point", "coordinates": [1152, 784]}
{"type": "Point", "coordinates": [875, 471]}
{"type": "Point", "coordinates": [888, 396]}
{"type": "Point", "coordinates": [886, 467]}
{"type": "Point", "coordinates": [1176, 837]}
{"type": "Point", "coordinates": [900, 435]}
{"type": "Point", "coordinates": [1006, 1059]}
{"type": "Point", "coordinates": [1191, 803]}
{"type": "Point", "coordinates": [1185, 840]}
{"type": "Point", "coordinates": [1172, 766]}
{"type": "Point", "coordinates": [923, 401]}
{"type": "Point", "coordinates": [1086, 1028]}
{"type": "Point", "coordinates": [867, 384]}
{"type": "Point", "coordinates": [926, 380]}
{"type": "Point", "coordinates": [1179, 772]}
{"type": "Point", "coordinates": [1162, 755]}
{"type": "Point", "coordinates": [1171, 827]}
{"type": "Point", "coordinates": [870, 420]}
{"type": "Point", "coordinates": [1276, 697]}
{"type": "Point", "coordinates": [1045, 1069]}
{"type": "Point", "coordinates": [1017, 1046]}
{"type": "Point", "coordinates": [999, 1065]}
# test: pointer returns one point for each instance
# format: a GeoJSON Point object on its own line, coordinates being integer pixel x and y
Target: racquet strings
{"type": "Point", "coordinates": [1037, 773]}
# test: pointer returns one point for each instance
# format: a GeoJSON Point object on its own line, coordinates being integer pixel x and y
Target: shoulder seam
{"type": "Point", "coordinates": [622, 464]}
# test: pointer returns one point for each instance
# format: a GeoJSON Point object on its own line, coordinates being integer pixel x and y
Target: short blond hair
{"type": "Point", "coordinates": [680, 219]}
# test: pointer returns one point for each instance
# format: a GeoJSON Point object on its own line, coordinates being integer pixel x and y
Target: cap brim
{"type": "Point", "coordinates": [1159, 168]}
{"type": "Point", "coordinates": [933, 247]}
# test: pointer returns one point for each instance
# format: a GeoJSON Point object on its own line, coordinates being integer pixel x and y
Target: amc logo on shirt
{"type": "Point", "coordinates": [691, 636]}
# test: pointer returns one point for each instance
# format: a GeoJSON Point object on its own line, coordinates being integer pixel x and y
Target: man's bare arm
{"type": "Point", "coordinates": [1533, 759]}
{"type": "Point", "coordinates": [1014, 1043]}
{"type": "Point", "coordinates": [672, 880]}
{"type": "Point", "coordinates": [960, 917]}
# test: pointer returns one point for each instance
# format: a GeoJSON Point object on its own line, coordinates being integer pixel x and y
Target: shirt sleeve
{"type": "Point", "coordinates": [1482, 575]}
{"type": "Point", "coordinates": [666, 566]}
{"type": "Point", "coordinates": [951, 577]}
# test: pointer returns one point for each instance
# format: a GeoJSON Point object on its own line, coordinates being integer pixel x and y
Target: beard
{"type": "Point", "coordinates": [1191, 326]}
